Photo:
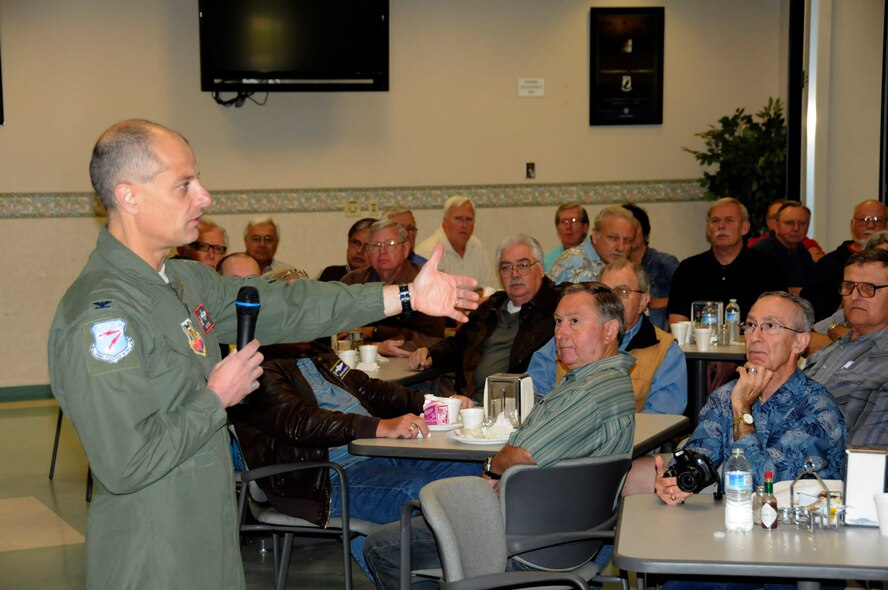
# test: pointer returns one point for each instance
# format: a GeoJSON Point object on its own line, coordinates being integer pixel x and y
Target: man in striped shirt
{"type": "Point", "coordinates": [590, 413]}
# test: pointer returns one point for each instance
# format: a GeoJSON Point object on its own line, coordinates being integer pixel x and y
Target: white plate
{"type": "Point", "coordinates": [444, 427]}
{"type": "Point", "coordinates": [458, 436]}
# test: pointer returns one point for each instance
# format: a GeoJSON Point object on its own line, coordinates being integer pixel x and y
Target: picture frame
{"type": "Point", "coordinates": [626, 66]}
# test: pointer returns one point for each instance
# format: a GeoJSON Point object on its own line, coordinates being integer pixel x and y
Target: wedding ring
{"type": "Point", "coordinates": [672, 497]}
{"type": "Point", "coordinates": [751, 370]}
{"type": "Point", "coordinates": [412, 427]}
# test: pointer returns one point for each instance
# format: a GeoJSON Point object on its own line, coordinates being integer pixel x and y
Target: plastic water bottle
{"type": "Point", "coordinates": [710, 320]}
{"type": "Point", "coordinates": [732, 320]}
{"type": "Point", "coordinates": [738, 493]}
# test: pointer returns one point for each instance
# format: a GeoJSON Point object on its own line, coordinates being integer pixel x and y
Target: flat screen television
{"type": "Point", "coordinates": [294, 45]}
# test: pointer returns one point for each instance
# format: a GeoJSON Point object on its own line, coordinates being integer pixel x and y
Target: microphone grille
{"type": "Point", "coordinates": [248, 295]}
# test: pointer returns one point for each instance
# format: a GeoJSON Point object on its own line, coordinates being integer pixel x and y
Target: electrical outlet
{"type": "Point", "coordinates": [530, 171]}
{"type": "Point", "coordinates": [352, 208]}
{"type": "Point", "coordinates": [373, 207]}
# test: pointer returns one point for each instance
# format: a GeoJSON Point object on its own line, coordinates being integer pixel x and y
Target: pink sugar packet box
{"type": "Point", "coordinates": [434, 411]}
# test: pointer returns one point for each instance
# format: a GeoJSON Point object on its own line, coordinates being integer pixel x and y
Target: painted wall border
{"type": "Point", "coordinates": [62, 205]}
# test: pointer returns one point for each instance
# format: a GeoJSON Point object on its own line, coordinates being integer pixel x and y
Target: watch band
{"type": "Point", "coordinates": [404, 296]}
{"type": "Point", "coordinates": [487, 469]}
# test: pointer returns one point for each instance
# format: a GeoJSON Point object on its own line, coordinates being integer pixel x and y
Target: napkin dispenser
{"type": "Point", "coordinates": [506, 392]}
{"type": "Point", "coordinates": [867, 474]}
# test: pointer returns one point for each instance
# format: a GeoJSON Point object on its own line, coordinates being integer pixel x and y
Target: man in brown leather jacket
{"type": "Point", "coordinates": [505, 330]}
{"type": "Point", "coordinates": [308, 409]}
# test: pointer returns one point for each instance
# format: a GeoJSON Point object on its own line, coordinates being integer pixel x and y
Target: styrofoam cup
{"type": "Point", "coordinates": [472, 417]}
{"type": "Point", "coordinates": [703, 337]}
{"type": "Point", "coordinates": [368, 353]}
{"type": "Point", "coordinates": [680, 331]}
{"type": "Point", "coordinates": [349, 357]}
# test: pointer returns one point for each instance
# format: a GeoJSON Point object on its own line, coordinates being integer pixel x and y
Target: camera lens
{"type": "Point", "coordinates": [689, 480]}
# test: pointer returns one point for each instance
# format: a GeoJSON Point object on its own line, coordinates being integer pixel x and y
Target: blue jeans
{"type": "Point", "coordinates": [378, 488]}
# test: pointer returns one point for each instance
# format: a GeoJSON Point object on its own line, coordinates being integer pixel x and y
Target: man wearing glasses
{"type": "Point", "coordinates": [572, 225]}
{"type": "Point", "coordinates": [854, 368]}
{"type": "Point", "coordinates": [784, 245]}
{"type": "Point", "coordinates": [210, 246]}
{"type": "Point", "coordinates": [613, 234]}
{"type": "Point", "coordinates": [387, 252]}
{"type": "Point", "coordinates": [261, 239]}
{"type": "Point", "coordinates": [778, 415]}
{"type": "Point", "coordinates": [505, 330]}
{"type": "Point", "coordinates": [869, 217]}
{"type": "Point", "coordinates": [355, 253]}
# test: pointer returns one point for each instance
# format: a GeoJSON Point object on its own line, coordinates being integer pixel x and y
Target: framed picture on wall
{"type": "Point", "coordinates": [626, 66]}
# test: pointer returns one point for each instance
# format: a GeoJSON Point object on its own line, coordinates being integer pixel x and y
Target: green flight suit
{"type": "Point", "coordinates": [129, 358]}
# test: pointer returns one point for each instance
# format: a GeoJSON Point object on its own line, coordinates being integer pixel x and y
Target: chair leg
{"type": "Point", "coordinates": [285, 562]}
{"type": "Point", "coordinates": [55, 445]}
{"type": "Point", "coordinates": [89, 484]}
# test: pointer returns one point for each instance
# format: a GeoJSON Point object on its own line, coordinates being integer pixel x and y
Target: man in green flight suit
{"type": "Point", "coordinates": [134, 362]}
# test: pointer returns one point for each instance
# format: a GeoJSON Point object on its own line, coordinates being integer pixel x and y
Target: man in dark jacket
{"type": "Point", "coordinates": [503, 333]}
{"type": "Point", "coordinates": [308, 409]}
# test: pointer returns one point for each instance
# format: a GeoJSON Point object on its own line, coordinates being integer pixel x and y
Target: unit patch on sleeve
{"type": "Point", "coordinates": [196, 343]}
{"type": "Point", "coordinates": [340, 369]}
{"type": "Point", "coordinates": [110, 342]}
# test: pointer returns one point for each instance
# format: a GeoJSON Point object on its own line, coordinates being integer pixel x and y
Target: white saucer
{"type": "Point", "coordinates": [458, 436]}
{"type": "Point", "coordinates": [444, 427]}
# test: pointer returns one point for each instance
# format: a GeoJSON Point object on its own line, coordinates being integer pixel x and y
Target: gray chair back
{"type": "Point", "coordinates": [454, 506]}
{"type": "Point", "coordinates": [575, 495]}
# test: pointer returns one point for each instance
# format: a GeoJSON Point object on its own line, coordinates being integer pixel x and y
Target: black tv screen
{"type": "Point", "coordinates": [294, 45]}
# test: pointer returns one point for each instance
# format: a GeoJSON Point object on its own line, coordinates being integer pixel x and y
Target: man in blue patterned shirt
{"type": "Point", "coordinates": [777, 415]}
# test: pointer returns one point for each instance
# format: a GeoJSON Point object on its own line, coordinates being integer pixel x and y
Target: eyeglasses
{"type": "Point", "coordinates": [203, 247]}
{"type": "Point", "coordinates": [260, 239]}
{"type": "Point", "coordinates": [623, 291]}
{"type": "Point", "coordinates": [411, 229]}
{"type": "Point", "coordinates": [769, 328]}
{"type": "Point", "coordinates": [866, 290]}
{"type": "Point", "coordinates": [867, 219]}
{"type": "Point", "coordinates": [569, 221]}
{"type": "Point", "coordinates": [387, 246]}
{"type": "Point", "coordinates": [522, 267]}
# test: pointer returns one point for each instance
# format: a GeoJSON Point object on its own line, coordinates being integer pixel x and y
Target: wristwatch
{"type": "Point", "coordinates": [488, 469]}
{"type": "Point", "coordinates": [744, 418]}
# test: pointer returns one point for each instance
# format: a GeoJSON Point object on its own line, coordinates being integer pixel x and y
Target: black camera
{"type": "Point", "coordinates": [692, 471]}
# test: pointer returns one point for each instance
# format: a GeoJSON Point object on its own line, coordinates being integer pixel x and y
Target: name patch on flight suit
{"type": "Point", "coordinates": [194, 340]}
{"type": "Point", "coordinates": [204, 319]}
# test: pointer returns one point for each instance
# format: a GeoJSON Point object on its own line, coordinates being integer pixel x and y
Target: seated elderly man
{"type": "Point", "coordinates": [308, 409]}
{"type": "Point", "coordinates": [854, 368]}
{"type": "Point", "coordinates": [401, 334]}
{"type": "Point", "coordinates": [506, 329]}
{"type": "Point", "coordinates": [773, 411]}
{"type": "Point", "coordinates": [210, 245]}
{"type": "Point", "coordinates": [590, 413]}
{"type": "Point", "coordinates": [660, 374]}
{"type": "Point", "coordinates": [613, 234]}
{"type": "Point", "coordinates": [355, 252]}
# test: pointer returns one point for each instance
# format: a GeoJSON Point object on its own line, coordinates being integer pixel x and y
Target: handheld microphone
{"type": "Point", "coordinates": [247, 305]}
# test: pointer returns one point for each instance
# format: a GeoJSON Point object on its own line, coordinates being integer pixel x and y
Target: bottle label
{"type": "Point", "coordinates": [739, 481]}
{"type": "Point", "coordinates": [769, 516]}
{"type": "Point", "coordinates": [732, 316]}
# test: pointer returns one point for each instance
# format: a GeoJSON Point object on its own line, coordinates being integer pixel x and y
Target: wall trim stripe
{"type": "Point", "coordinates": [25, 393]}
{"type": "Point", "coordinates": [62, 205]}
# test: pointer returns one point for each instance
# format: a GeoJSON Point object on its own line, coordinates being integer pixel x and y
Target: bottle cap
{"type": "Point", "coordinates": [768, 475]}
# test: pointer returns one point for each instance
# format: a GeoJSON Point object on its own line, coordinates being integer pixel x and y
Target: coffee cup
{"type": "Point", "coordinates": [349, 357]}
{"type": "Point", "coordinates": [472, 417]}
{"type": "Point", "coordinates": [703, 337]}
{"type": "Point", "coordinates": [680, 331]}
{"type": "Point", "coordinates": [368, 353]}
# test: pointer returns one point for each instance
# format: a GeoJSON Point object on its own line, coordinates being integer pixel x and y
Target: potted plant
{"type": "Point", "coordinates": [745, 158]}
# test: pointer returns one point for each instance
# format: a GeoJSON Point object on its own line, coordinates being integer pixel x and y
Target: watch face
{"type": "Point", "coordinates": [747, 418]}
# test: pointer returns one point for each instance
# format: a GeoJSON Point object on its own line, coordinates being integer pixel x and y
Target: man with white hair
{"type": "Point", "coordinates": [463, 253]}
{"type": "Point", "coordinates": [261, 239]}
{"type": "Point", "coordinates": [612, 236]}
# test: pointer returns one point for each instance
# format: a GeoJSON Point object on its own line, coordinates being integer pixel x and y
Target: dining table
{"type": "Point", "coordinates": [651, 431]}
{"type": "Point", "coordinates": [689, 539]}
